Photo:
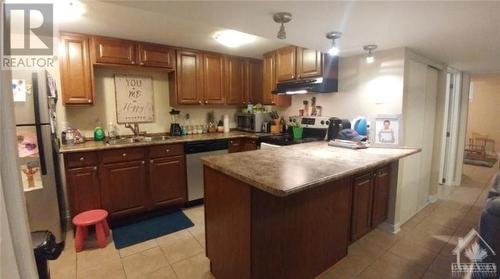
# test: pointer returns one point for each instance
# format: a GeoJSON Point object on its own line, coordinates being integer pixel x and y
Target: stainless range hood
{"type": "Point", "coordinates": [327, 83]}
{"type": "Point", "coordinates": [304, 86]}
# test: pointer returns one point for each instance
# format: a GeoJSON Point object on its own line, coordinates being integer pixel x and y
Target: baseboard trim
{"type": "Point", "coordinates": [390, 228]}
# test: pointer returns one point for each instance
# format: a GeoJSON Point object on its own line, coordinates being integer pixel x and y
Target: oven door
{"type": "Point", "coordinates": [246, 122]}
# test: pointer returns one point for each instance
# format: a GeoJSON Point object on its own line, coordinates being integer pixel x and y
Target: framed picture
{"type": "Point", "coordinates": [388, 131]}
{"type": "Point", "coordinates": [134, 99]}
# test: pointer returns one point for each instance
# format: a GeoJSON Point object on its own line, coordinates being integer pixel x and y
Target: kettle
{"type": "Point", "coordinates": [335, 126]}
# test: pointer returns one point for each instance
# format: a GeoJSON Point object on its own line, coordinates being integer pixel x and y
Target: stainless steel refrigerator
{"type": "Point", "coordinates": [35, 98]}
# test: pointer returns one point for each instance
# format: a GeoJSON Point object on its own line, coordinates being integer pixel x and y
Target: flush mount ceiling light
{"type": "Point", "coordinates": [334, 50]}
{"type": "Point", "coordinates": [370, 49]}
{"type": "Point", "coordinates": [282, 17]}
{"type": "Point", "coordinates": [232, 38]}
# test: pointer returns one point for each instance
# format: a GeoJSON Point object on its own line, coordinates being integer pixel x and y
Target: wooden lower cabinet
{"type": "Point", "coordinates": [381, 191]}
{"type": "Point", "coordinates": [362, 206]}
{"type": "Point", "coordinates": [241, 144]}
{"type": "Point", "coordinates": [370, 201]}
{"type": "Point", "coordinates": [167, 179]}
{"type": "Point", "coordinates": [127, 181]}
{"type": "Point", "coordinates": [83, 189]}
{"type": "Point", "coordinates": [123, 188]}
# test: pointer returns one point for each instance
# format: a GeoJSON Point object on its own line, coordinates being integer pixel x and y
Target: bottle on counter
{"type": "Point", "coordinates": [226, 123]}
{"type": "Point", "coordinates": [220, 127]}
{"type": "Point", "coordinates": [99, 134]}
{"type": "Point", "coordinates": [283, 125]}
{"type": "Point", "coordinates": [112, 131]}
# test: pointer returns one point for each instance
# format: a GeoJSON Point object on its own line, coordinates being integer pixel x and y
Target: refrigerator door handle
{"type": "Point", "coordinates": [39, 136]}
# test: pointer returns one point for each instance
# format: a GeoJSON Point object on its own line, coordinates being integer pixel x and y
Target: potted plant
{"type": "Point", "coordinates": [297, 130]}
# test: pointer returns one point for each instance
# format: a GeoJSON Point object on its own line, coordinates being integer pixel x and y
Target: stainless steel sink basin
{"type": "Point", "coordinates": [136, 140]}
{"type": "Point", "coordinates": [123, 141]}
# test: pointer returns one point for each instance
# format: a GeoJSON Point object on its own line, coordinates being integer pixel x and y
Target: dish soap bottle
{"type": "Point", "coordinates": [98, 134]}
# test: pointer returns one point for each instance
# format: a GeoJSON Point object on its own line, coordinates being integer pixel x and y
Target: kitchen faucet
{"type": "Point", "coordinates": [134, 129]}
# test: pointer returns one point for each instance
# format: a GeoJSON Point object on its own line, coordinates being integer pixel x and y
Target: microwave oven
{"type": "Point", "coordinates": [252, 122]}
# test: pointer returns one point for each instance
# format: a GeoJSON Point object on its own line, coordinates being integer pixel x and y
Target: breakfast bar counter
{"type": "Point", "coordinates": [291, 212]}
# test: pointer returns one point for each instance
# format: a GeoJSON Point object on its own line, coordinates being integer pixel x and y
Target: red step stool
{"type": "Point", "coordinates": [95, 217]}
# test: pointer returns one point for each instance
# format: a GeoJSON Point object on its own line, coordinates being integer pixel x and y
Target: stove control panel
{"type": "Point", "coordinates": [318, 122]}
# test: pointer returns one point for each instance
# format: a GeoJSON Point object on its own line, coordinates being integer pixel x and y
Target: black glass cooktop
{"type": "Point", "coordinates": [285, 139]}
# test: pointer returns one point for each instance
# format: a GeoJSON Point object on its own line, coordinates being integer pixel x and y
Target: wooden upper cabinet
{"type": "Point", "coordinates": [188, 78]}
{"type": "Point", "coordinates": [253, 80]}
{"type": "Point", "coordinates": [213, 78]}
{"type": "Point", "coordinates": [156, 55]}
{"type": "Point", "coordinates": [76, 70]}
{"type": "Point", "coordinates": [268, 79]}
{"type": "Point", "coordinates": [309, 63]}
{"type": "Point", "coordinates": [114, 51]}
{"type": "Point", "coordinates": [236, 80]}
{"type": "Point", "coordinates": [286, 63]}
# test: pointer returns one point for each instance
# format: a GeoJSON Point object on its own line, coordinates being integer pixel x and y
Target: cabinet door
{"type": "Point", "coordinates": [285, 63]}
{"type": "Point", "coordinates": [235, 145]}
{"type": "Point", "coordinates": [76, 70]}
{"type": "Point", "coordinates": [213, 78]}
{"type": "Point", "coordinates": [124, 188]}
{"type": "Point", "coordinates": [253, 81]}
{"type": "Point", "coordinates": [309, 63]}
{"type": "Point", "coordinates": [235, 76]}
{"type": "Point", "coordinates": [156, 56]}
{"type": "Point", "coordinates": [362, 206]}
{"type": "Point", "coordinates": [249, 145]}
{"type": "Point", "coordinates": [83, 189]}
{"type": "Point", "coordinates": [189, 78]}
{"type": "Point", "coordinates": [114, 51]}
{"type": "Point", "coordinates": [268, 79]}
{"type": "Point", "coordinates": [381, 188]}
{"type": "Point", "coordinates": [167, 179]}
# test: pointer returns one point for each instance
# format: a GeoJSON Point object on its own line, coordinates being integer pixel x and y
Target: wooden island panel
{"type": "Point", "coordinates": [253, 234]}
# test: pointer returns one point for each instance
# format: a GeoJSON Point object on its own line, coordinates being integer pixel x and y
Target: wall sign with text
{"type": "Point", "coordinates": [134, 99]}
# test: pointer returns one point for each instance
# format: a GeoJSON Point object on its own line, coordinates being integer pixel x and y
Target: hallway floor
{"type": "Point", "coordinates": [422, 249]}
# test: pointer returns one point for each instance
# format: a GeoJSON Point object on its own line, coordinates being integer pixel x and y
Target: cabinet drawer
{"type": "Point", "coordinates": [123, 155]}
{"type": "Point", "coordinates": [81, 159]}
{"type": "Point", "coordinates": [166, 150]}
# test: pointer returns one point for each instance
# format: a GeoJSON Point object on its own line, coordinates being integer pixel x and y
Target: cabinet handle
{"type": "Point", "coordinates": [132, 62]}
{"type": "Point", "coordinates": [82, 158]}
{"type": "Point", "coordinates": [143, 162]}
{"type": "Point", "coordinates": [151, 161]}
{"type": "Point", "coordinates": [89, 100]}
{"type": "Point", "coordinates": [167, 150]}
{"type": "Point", "coordinates": [142, 63]}
{"type": "Point", "coordinates": [95, 168]}
{"type": "Point", "coordinates": [199, 102]}
{"type": "Point", "coordinates": [206, 102]}
{"type": "Point", "coordinates": [124, 155]}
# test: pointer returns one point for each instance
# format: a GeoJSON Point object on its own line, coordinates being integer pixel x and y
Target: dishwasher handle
{"type": "Point", "coordinates": [205, 146]}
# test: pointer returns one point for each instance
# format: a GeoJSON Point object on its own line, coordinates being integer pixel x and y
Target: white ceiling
{"type": "Point", "coordinates": [465, 35]}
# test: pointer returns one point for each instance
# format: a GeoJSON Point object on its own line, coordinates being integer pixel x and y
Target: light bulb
{"type": "Point", "coordinates": [333, 51]}
{"type": "Point", "coordinates": [370, 59]}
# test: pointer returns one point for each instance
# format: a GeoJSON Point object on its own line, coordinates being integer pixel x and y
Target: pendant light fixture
{"type": "Point", "coordinates": [369, 56]}
{"type": "Point", "coordinates": [334, 50]}
{"type": "Point", "coordinates": [282, 17]}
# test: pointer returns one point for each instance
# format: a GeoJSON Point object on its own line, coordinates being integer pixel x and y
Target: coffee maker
{"type": "Point", "coordinates": [335, 126]}
{"type": "Point", "coordinates": [175, 127]}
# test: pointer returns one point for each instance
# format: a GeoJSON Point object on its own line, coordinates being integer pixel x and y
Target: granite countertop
{"type": "Point", "coordinates": [290, 169]}
{"type": "Point", "coordinates": [99, 145]}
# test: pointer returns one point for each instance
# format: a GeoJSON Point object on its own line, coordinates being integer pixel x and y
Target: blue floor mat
{"type": "Point", "coordinates": [148, 229]}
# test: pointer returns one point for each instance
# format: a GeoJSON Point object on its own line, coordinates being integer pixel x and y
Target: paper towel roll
{"type": "Point", "coordinates": [226, 123]}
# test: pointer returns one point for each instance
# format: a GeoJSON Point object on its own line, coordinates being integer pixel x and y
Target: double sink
{"type": "Point", "coordinates": [136, 140]}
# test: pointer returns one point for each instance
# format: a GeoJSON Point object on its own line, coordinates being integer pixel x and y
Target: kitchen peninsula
{"type": "Point", "coordinates": [291, 212]}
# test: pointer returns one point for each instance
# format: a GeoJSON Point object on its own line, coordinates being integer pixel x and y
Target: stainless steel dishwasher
{"type": "Point", "coordinates": [194, 151]}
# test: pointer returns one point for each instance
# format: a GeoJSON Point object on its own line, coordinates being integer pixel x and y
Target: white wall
{"type": "Point", "coordinates": [364, 89]}
{"type": "Point", "coordinates": [86, 118]}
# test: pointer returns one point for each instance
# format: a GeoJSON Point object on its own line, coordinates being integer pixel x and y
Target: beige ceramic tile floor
{"type": "Point", "coordinates": [422, 249]}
